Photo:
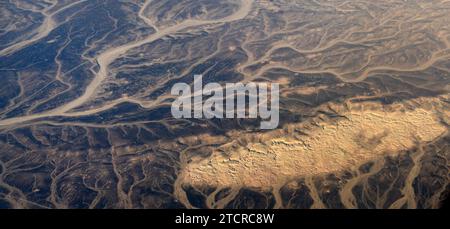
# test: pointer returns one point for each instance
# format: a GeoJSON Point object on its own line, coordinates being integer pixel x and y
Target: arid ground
{"type": "Point", "coordinates": [85, 104]}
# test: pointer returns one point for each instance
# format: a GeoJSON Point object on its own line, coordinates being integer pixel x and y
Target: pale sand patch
{"type": "Point", "coordinates": [275, 157]}
{"type": "Point", "coordinates": [303, 90]}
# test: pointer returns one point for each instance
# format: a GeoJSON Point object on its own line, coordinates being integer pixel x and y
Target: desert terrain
{"type": "Point", "coordinates": [85, 103]}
